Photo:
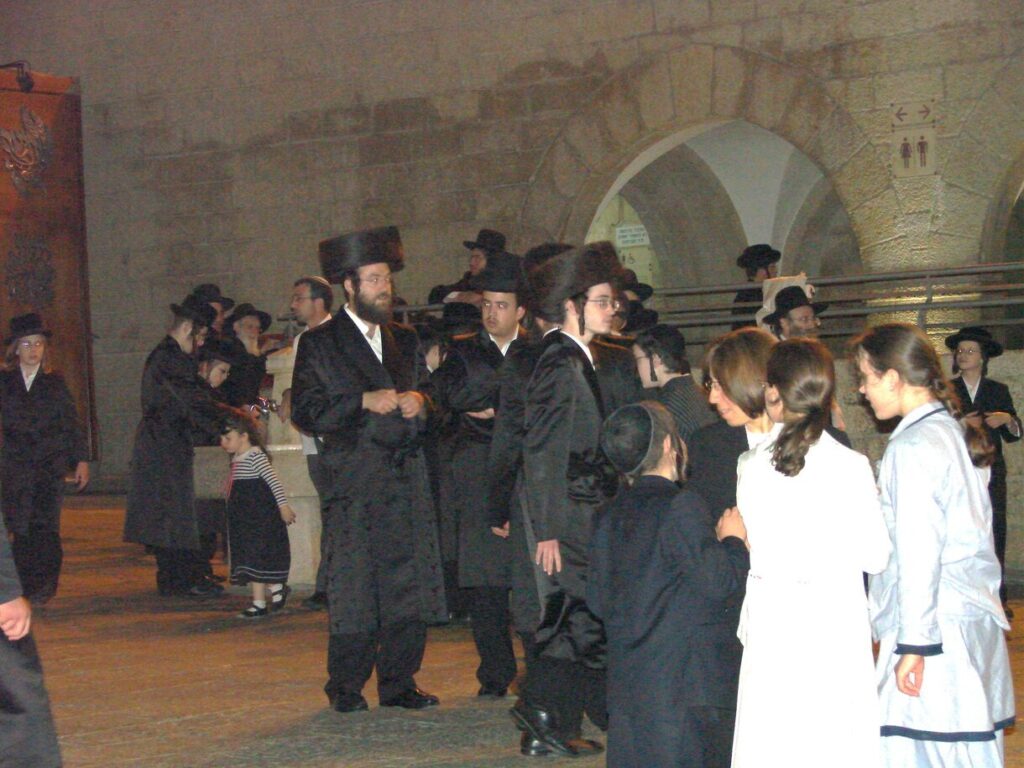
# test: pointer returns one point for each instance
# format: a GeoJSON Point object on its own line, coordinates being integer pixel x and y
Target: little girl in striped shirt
{"type": "Point", "coordinates": [258, 512]}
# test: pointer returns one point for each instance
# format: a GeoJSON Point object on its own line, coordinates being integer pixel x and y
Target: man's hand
{"type": "Point", "coordinates": [82, 475]}
{"type": "Point", "coordinates": [284, 408]}
{"type": "Point", "coordinates": [502, 531]}
{"type": "Point", "coordinates": [549, 557]}
{"type": "Point", "coordinates": [411, 404]}
{"type": "Point", "coordinates": [910, 674]}
{"type": "Point", "coordinates": [15, 618]}
{"type": "Point", "coordinates": [997, 419]}
{"type": "Point", "coordinates": [487, 413]}
{"type": "Point", "coordinates": [382, 401]}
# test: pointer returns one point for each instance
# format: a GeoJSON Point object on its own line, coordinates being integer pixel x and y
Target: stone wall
{"type": "Point", "coordinates": [224, 139]}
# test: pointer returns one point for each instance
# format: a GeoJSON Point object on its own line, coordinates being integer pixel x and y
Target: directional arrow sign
{"type": "Point", "coordinates": [900, 114]}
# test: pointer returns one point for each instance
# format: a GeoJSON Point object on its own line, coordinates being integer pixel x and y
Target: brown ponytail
{"type": "Point", "coordinates": [803, 373]}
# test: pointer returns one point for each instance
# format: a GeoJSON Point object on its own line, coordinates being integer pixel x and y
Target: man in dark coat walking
{"type": "Point", "coordinates": [358, 385]}
{"type": "Point", "coordinates": [758, 261]}
{"type": "Point", "coordinates": [160, 511]}
{"type": "Point", "coordinates": [467, 385]}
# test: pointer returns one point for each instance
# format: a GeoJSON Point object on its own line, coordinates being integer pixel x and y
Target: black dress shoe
{"type": "Point", "coordinates": [532, 747]}
{"type": "Point", "coordinates": [412, 698]}
{"type": "Point", "coordinates": [492, 691]}
{"type": "Point", "coordinates": [349, 702]}
{"type": "Point", "coordinates": [316, 602]}
{"type": "Point", "coordinates": [540, 726]}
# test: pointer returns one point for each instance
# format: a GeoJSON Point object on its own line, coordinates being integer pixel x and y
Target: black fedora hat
{"type": "Point", "coordinates": [489, 240]}
{"type": "Point", "coordinates": [195, 309]}
{"type": "Point", "coordinates": [791, 298]}
{"type": "Point", "coordinates": [245, 309]}
{"type": "Point", "coordinates": [29, 324]}
{"type": "Point", "coordinates": [210, 292]}
{"type": "Point", "coordinates": [352, 250]}
{"type": "Point", "coordinates": [503, 274]}
{"type": "Point", "coordinates": [758, 256]}
{"type": "Point", "coordinates": [989, 346]}
{"type": "Point", "coordinates": [630, 282]}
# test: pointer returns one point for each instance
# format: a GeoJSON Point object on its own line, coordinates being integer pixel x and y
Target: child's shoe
{"type": "Point", "coordinates": [279, 597]}
{"type": "Point", "coordinates": [253, 612]}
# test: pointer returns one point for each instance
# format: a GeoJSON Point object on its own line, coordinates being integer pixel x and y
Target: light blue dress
{"type": "Point", "coordinates": [939, 597]}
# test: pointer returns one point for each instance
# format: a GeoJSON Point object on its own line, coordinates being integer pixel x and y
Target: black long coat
{"type": "Point", "coordinates": [384, 566]}
{"type": "Point", "coordinates": [42, 440]}
{"type": "Point", "coordinates": [663, 585]}
{"type": "Point", "coordinates": [992, 396]}
{"type": "Point", "coordinates": [468, 382]}
{"type": "Point", "coordinates": [175, 403]}
{"type": "Point", "coordinates": [616, 374]}
{"type": "Point", "coordinates": [565, 481]}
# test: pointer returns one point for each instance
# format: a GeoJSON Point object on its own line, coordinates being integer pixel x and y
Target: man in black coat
{"type": "Point", "coordinates": [467, 385]}
{"type": "Point", "coordinates": [160, 511]}
{"type": "Point", "coordinates": [27, 735]}
{"type": "Point", "coordinates": [358, 385]}
{"type": "Point", "coordinates": [758, 261]}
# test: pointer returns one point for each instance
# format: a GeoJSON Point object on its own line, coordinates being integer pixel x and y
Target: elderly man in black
{"type": "Point", "coordinates": [467, 385]}
{"type": "Point", "coordinates": [357, 385]}
{"type": "Point", "coordinates": [565, 481]}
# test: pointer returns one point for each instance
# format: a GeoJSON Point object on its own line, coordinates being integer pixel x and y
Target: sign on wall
{"type": "Point", "coordinates": [631, 235]}
{"type": "Point", "coordinates": [914, 143]}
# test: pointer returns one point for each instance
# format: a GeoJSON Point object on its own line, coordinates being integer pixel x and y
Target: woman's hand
{"type": "Point", "coordinates": [549, 557]}
{"type": "Point", "coordinates": [731, 524]}
{"type": "Point", "coordinates": [287, 514]}
{"type": "Point", "coordinates": [910, 674]}
{"type": "Point", "coordinates": [997, 419]}
{"type": "Point", "coordinates": [82, 475]}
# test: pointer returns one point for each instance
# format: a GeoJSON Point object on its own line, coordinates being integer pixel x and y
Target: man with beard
{"type": "Point", "coordinates": [356, 384]}
{"type": "Point", "coordinates": [795, 315]}
{"type": "Point", "coordinates": [565, 481]}
{"type": "Point", "coordinates": [467, 384]}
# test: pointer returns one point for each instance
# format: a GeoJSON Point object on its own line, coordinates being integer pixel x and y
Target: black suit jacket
{"type": "Point", "coordinates": [617, 375]}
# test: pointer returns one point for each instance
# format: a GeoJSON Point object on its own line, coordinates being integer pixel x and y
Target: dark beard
{"type": "Point", "coordinates": [371, 313]}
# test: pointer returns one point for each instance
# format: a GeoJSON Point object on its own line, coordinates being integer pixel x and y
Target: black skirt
{"type": "Point", "coordinates": [257, 536]}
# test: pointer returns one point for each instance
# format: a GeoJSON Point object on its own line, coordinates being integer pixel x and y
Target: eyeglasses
{"type": "Point", "coordinates": [605, 303]}
{"type": "Point", "coordinates": [28, 344]}
{"type": "Point", "coordinates": [712, 384]}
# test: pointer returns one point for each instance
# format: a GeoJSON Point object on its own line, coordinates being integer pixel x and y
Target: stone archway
{"type": "Point", "coordinates": [676, 90]}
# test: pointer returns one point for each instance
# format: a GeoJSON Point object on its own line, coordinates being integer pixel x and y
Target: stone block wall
{"type": "Point", "coordinates": [224, 139]}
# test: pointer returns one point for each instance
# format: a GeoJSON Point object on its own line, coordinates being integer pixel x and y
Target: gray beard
{"type": "Point", "coordinates": [370, 313]}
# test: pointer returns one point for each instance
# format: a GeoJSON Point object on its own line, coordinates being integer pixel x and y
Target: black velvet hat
{"type": "Point", "coordinates": [990, 346]}
{"type": "Point", "coordinates": [488, 240]}
{"type": "Point", "coordinates": [758, 256]}
{"type": "Point", "coordinates": [791, 298]}
{"type": "Point", "coordinates": [245, 309]}
{"type": "Point", "coordinates": [211, 292]}
{"type": "Point", "coordinates": [30, 324]}
{"type": "Point", "coordinates": [567, 275]}
{"type": "Point", "coordinates": [502, 274]}
{"type": "Point", "coordinates": [195, 309]}
{"type": "Point", "coordinates": [349, 252]}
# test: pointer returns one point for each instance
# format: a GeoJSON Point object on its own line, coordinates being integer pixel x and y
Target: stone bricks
{"type": "Point", "coordinates": [959, 211]}
{"type": "Point", "coordinates": [653, 85]}
{"type": "Point", "coordinates": [876, 220]}
{"type": "Point", "coordinates": [730, 75]}
{"type": "Point", "coordinates": [863, 177]}
{"type": "Point", "coordinates": [692, 70]}
{"type": "Point", "coordinates": [771, 87]}
{"type": "Point", "coordinates": [673, 14]}
{"type": "Point", "coordinates": [837, 141]}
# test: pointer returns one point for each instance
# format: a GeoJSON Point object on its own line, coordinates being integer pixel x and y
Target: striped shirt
{"type": "Point", "coordinates": [254, 465]}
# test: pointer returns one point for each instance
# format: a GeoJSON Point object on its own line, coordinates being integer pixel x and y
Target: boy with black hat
{"type": "Point", "coordinates": [487, 243]}
{"type": "Point", "coordinates": [161, 510]}
{"type": "Point", "coordinates": [758, 261]}
{"type": "Point", "coordinates": [660, 576]}
{"type": "Point", "coordinates": [467, 385]}
{"type": "Point", "coordinates": [357, 384]}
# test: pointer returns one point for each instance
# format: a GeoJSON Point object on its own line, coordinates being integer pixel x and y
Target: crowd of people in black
{"type": "Point", "coordinates": [682, 562]}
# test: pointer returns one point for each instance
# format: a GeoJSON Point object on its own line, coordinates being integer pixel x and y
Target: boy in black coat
{"type": "Point", "coordinates": [661, 574]}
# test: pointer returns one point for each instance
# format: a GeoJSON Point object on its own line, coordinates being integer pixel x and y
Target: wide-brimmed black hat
{"type": "Point", "coordinates": [29, 324]}
{"type": "Point", "coordinates": [349, 252]}
{"type": "Point", "coordinates": [210, 292]}
{"type": "Point", "coordinates": [567, 275]}
{"type": "Point", "coordinates": [789, 299]}
{"type": "Point", "coordinates": [537, 255]}
{"type": "Point", "coordinates": [245, 309]}
{"type": "Point", "coordinates": [758, 256]}
{"type": "Point", "coordinates": [195, 309]}
{"type": "Point", "coordinates": [227, 349]}
{"type": "Point", "coordinates": [627, 436]}
{"type": "Point", "coordinates": [638, 317]}
{"type": "Point", "coordinates": [989, 346]}
{"type": "Point", "coordinates": [502, 274]}
{"type": "Point", "coordinates": [630, 282]}
{"type": "Point", "coordinates": [488, 240]}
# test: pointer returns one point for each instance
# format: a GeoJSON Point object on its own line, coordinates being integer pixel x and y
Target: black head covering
{"type": "Point", "coordinates": [30, 324]}
{"type": "Point", "coordinates": [228, 349]}
{"type": "Point", "coordinates": [488, 240]}
{"type": "Point", "coordinates": [349, 252]}
{"type": "Point", "coordinates": [503, 274]}
{"type": "Point", "coordinates": [790, 298]}
{"type": "Point", "coordinates": [627, 437]}
{"type": "Point", "coordinates": [758, 256]}
{"type": "Point", "coordinates": [245, 309]}
{"type": "Point", "coordinates": [211, 292]}
{"type": "Point", "coordinates": [990, 346]}
{"type": "Point", "coordinates": [195, 309]}
{"type": "Point", "coordinates": [541, 253]}
{"type": "Point", "coordinates": [566, 275]}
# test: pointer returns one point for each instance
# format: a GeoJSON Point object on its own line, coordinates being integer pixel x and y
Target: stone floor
{"type": "Point", "coordinates": [139, 680]}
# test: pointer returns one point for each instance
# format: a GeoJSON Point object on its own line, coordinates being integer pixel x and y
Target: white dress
{"type": "Point", "coordinates": [807, 694]}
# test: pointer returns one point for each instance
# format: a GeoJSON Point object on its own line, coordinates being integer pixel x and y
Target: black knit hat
{"type": "Point", "coordinates": [989, 346]}
{"type": "Point", "coordinates": [348, 252]}
{"type": "Point", "coordinates": [758, 256]}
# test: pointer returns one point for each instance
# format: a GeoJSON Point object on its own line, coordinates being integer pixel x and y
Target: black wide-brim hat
{"type": "Point", "coordinates": [227, 349]}
{"type": "Point", "coordinates": [502, 274]}
{"type": "Point", "coordinates": [210, 292]}
{"type": "Point", "coordinates": [245, 309]}
{"type": "Point", "coordinates": [29, 324]}
{"type": "Point", "coordinates": [791, 298]}
{"type": "Point", "coordinates": [758, 256]}
{"type": "Point", "coordinates": [632, 283]}
{"type": "Point", "coordinates": [990, 346]}
{"type": "Point", "coordinates": [352, 250]}
{"type": "Point", "coordinates": [570, 274]}
{"type": "Point", "coordinates": [195, 309]}
{"type": "Point", "coordinates": [489, 240]}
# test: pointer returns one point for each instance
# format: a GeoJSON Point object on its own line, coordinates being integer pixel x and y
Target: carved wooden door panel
{"type": "Point", "coordinates": [43, 265]}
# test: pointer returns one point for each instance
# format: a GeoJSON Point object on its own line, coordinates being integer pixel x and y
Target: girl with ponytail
{"type": "Point", "coordinates": [814, 525]}
{"type": "Point", "coordinates": [937, 602]}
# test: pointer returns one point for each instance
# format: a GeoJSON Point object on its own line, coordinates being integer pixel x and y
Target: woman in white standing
{"type": "Point", "coordinates": [943, 672]}
{"type": "Point", "coordinates": [814, 525]}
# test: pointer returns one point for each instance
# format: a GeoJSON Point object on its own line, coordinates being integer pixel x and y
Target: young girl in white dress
{"type": "Point", "coordinates": [943, 673]}
{"type": "Point", "coordinates": [814, 525]}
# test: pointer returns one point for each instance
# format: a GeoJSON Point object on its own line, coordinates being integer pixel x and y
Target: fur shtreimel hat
{"type": "Point", "coordinates": [569, 274]}
{"type": "Point", "coordinates": [349, 252]}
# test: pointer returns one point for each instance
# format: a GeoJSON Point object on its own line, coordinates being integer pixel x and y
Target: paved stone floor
{"type": "Point", "coordinates": [139, 680]}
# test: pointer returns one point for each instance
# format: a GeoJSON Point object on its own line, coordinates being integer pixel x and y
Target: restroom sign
{"type": "Point", "coordinates": [631, 235]}
{"type": "Point", "coordinates": [914, 144]}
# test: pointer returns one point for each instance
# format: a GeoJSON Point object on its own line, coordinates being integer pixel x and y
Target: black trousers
{"type": "Point", "coordinates": [489, 612]}
{"type": "Point", "coordinates": [567, 690]}
{"type": "Point", "coordinates": [999, 539]}
{"type": "Point", "coordinates": [37, 557]}
{"type": "Point", "coordinates": [322, 482]}
{"type": "Point", "coordinates": [395, 650]}
{"type": "Point", "coordinates": [176, 569]}
{"type": "Point", "coordinates": [27, 735]}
